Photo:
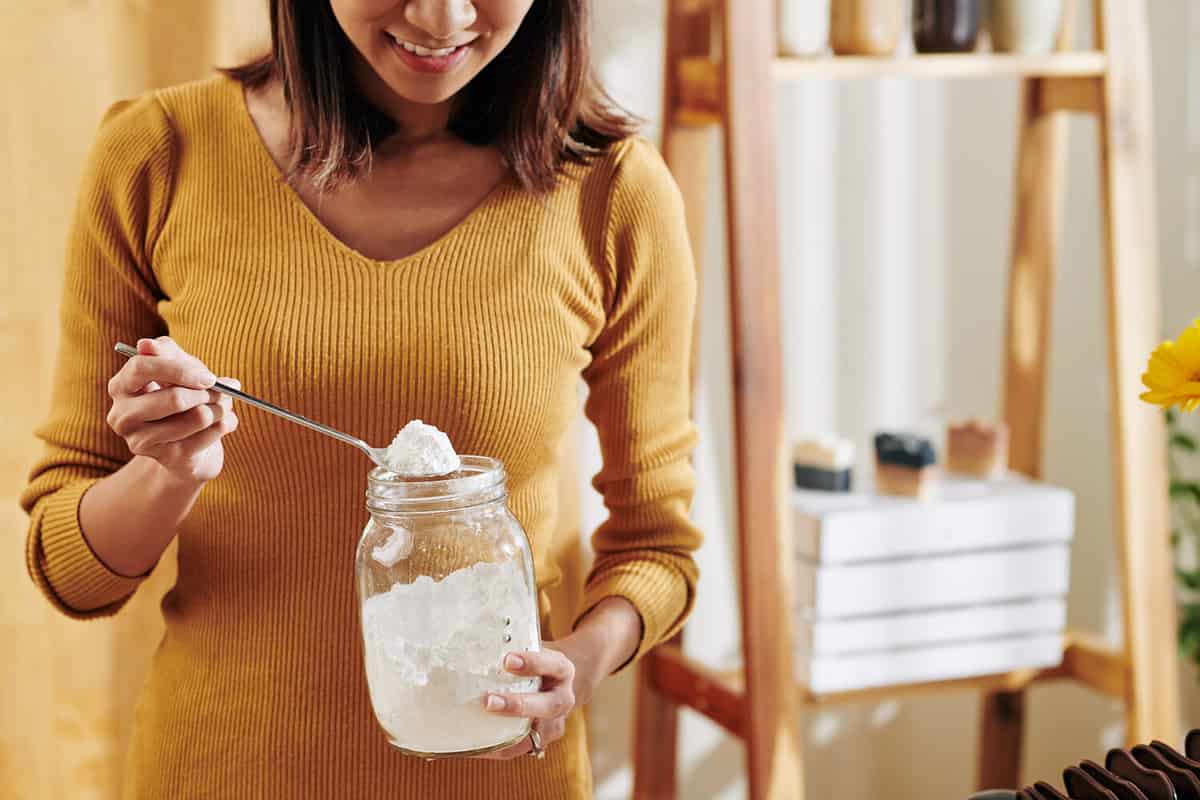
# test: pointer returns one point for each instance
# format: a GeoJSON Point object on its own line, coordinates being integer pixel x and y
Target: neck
{"type": "Point", "coordinates": [415, 122]}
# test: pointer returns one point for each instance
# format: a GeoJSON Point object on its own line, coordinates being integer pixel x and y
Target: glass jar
{"type": "Point", "coordinates": [946, 26]}
{"type": "Point", "coordinates": [1024, 26]}
{"type": "Point", "coordinates": [865, 27]}
{"type": "Point", "coordinates": [803, 27]}
{"type": "Point", "coordinates": [446, 587]}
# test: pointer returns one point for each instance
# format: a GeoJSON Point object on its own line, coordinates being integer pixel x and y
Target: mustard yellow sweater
{"type": "Point", "coordinates": [184, 227]}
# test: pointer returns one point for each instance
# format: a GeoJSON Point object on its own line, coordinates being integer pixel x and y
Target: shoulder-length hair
{"type": "Point", "coordinates": [539, 101]}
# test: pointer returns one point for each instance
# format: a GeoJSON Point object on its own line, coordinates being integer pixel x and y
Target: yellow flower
{"type": "Point", "coordinates": [1173, 374]}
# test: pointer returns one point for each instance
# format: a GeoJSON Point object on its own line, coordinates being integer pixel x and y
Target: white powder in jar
{"type": "Point", "coordinates": [434, 649]}
{"type": "Point", "coordinates": [421, 450]}
{"type": "Point", "coordinates": [398, 546]}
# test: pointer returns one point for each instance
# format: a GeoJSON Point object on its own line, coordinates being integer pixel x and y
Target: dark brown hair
{"type": "Point", "coordinates": [539, 101]}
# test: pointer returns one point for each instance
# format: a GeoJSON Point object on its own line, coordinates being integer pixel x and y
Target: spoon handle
{"type": "Point", "coordinates": [271, 408]}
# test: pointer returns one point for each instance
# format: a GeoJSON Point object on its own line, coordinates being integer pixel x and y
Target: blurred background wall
{"type": "Point", "coordinates": [894, 205]}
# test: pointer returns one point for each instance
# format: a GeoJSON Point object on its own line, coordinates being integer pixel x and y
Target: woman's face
{"type": "Point", "coordinates": [426, 51]}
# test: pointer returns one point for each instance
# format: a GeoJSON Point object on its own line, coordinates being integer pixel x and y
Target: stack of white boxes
{"type": "Point", "coordinates": [893, 591]}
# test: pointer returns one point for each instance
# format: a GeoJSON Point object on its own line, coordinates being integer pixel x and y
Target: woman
{"type": "Point", "coordinates": [408, 209]}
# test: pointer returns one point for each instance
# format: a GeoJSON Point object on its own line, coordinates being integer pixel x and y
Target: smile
{"type": "Point", "coordinates": [429, 60]}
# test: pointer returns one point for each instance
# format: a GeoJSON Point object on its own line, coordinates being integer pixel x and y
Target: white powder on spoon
{"type": "Point", "coordinates": [422, 451]}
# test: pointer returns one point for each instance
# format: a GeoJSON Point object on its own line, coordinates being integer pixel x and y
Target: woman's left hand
{"type": "Point", "coordinates": [570, 668]}
{"type": "Point", "coordinates": [567, 681]}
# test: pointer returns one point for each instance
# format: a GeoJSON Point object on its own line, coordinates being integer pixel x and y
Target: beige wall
{"type": "Point", "coordinates": [69, 687]}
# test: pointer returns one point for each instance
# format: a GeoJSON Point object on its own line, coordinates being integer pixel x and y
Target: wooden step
{"type": "Point", "coordinates": [719, 695]}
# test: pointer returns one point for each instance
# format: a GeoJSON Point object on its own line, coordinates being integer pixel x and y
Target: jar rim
{"type": "Point", "coordinates": [477, 475]}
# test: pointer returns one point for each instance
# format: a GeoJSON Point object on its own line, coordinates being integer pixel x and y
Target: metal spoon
{"type": "Point", "coordinates": [376, 454]}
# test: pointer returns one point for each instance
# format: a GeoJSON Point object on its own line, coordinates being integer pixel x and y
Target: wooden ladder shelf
{"type": "Point", "coordinates": [735, 95]}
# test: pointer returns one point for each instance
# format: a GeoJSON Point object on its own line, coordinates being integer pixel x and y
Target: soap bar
{"type": "Point", "coordinates": [905, 465]}
{"type": "Point", "coordinates": [977, 448]}
{"type": "Point", "coordinates": [823, 463]}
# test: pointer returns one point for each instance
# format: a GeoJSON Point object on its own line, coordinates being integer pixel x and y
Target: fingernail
{"type": "Point", "coordinates": [495, 703]}
{"type": "Point", "coordinates": [207, 379]}
{"type": "Point", "coordinates": [513, 661]}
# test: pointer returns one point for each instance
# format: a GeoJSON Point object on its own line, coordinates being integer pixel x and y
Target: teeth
{"type": "Point", "coordinates": [425, 52]}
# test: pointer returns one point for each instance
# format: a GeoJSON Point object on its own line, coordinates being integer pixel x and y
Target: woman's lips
{"type": "Point", "coordinates": [430, 64]}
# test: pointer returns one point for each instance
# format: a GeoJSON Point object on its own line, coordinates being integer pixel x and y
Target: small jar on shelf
{"type": "Point", "coordinates": [803, 27]}
{"type": "Point", "coordinates": [866, 27]}
{"type": "Point", "coordinates": [1024, 26]}
{"type": "Point", "coordinates": [946, 26]}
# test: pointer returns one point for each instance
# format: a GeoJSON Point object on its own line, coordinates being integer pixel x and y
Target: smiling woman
{"type": "Point", "coordinates": [411, 209]}
{"type": "Point", "coordinates": [518, 72]}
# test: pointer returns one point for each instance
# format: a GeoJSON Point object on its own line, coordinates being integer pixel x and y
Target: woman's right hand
{"type": "Point", "coordinates": [164, 409]}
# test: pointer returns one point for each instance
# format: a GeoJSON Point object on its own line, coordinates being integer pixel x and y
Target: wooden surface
{"type": "Point", "coordinates": [1036, 228]}
{"type": "Point", "coordinates": [717, 694]}
{"type": "Point", "coordinates": [698, 80]}
{"type": "Point", "coordinates": [1144, 554]}
{"type": "Point", "coordinates": [1094, 663]}
{"type": "Point", "coordinates": [772, 741]}
{"type": "Point", "coordinates": [719, 697]}
{"type": "Point", "coordinates": [688, 151]}
{"type": "Point", "coordinates": [1083, 95]}
{"type": "Point", "coordinates": [941, 65]}
{"type": "Point", "coordinates": [71, 686]}
{"type": "Point", "coordinates": [655, 731]}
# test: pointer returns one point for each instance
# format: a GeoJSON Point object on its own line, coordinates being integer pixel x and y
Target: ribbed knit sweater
{"type": "Point", "coordinates": [184, 227]}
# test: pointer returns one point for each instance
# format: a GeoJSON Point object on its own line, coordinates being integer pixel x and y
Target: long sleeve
{"type": "Point", "coordinates": [639, 402]}
{"type": "Point", "coordinates": [109, 294]}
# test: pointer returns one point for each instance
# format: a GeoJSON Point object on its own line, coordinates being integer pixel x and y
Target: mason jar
{"type": "Point", "coordinates": [446, 588]}
{"type": "Point", "coordinates": [866, 27]}
{"type": "Point", "coordinates": [946, 26]}
{"type": "Point", "coordinates": [803, 27]}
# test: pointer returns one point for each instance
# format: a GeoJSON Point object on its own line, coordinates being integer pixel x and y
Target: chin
{"type": "Point", "coordinates": [426, 93]}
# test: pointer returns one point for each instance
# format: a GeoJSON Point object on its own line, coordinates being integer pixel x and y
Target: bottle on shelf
{"type": "Point", "coordinates": [865, 27]}
{"type": "Point", "coordinates": [946, 26]}
{"type": "Point", "coordinates": [803, 27]}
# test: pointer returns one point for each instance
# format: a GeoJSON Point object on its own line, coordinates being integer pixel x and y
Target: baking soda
{"type": "Point", "coordinates": [434, 649]}
{"type": "Point", "coordinates": [421, 450]}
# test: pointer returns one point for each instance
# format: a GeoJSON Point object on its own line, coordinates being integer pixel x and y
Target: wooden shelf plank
{"type": "Point", "coordinates": [719, 695]}
{"type": "Point", "coordinates": [688, 683]}
{"type": "Point", "coordinates": [1092, 662]}
{"type": "Point", "coordinates": [699, 79]}
{"type": "Point", "coordinates": [1081, 64]}
{"type": "Point", "coordinates": [1008, 682]}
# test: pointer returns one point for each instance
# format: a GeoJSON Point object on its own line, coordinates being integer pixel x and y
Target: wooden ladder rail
{"type": "Point", "coordinates": [759, 704]}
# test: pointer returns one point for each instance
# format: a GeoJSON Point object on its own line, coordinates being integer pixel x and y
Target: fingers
{"type": "Point", "coordinates": [152, 406]}
{"type": "Point", "coordinates": [548, 708]}
{"type": "Point", "coordinates": [544, 663]}
{"type": "Point", "coordinates": [178, 427]}
{"type": "Point", "coordinates": [186, 452]}
{"type": "Point", "coordinates": [160, 361]}
{"type": "Point", "coordinates": [550, 704]}
{"type": "Point", "coordinates": [556, 699]}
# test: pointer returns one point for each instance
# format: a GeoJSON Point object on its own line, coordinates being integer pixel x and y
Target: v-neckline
{"type": "Point", "coordinates": [473, 218]}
